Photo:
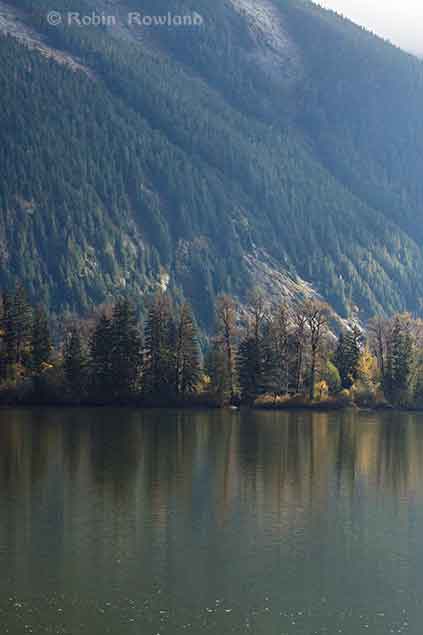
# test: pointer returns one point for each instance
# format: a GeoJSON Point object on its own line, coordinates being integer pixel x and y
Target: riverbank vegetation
{"type": "Point", "coordinates": [261, 356]}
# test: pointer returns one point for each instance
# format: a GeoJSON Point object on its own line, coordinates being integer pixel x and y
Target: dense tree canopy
{"type": "Point", "coordinates": [264, 354]}
{"type": "Point", "coordinates": [179, 154]}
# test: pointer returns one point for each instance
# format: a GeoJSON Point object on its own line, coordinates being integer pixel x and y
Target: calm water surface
{"type": "Point", "coordinates": [164, 523]}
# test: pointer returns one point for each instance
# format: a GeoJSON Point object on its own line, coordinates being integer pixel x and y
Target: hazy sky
{"type": "Point", "coordinates": [400, 21]}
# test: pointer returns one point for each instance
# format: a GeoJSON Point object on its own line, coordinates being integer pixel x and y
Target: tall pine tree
{"type": "Point", "coordinates": [40, 345]}
{"type": "Point", "coordinates": [100, 360]}
{"type": "Point", "coordinates": [75, 364]}
{"type": "Point", "coordinates": [125, 350]}
{"type": "Point", "coordinates": [347, 356]}
{"type": "Point", "coordinates": [159, 368]}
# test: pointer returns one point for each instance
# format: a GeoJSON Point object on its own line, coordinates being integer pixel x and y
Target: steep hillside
{"type": "Point", "coordinates": [276, 143]}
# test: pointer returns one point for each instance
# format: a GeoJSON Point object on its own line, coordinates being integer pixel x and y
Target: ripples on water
{"type": "Point", "coordinates": [163, 523]}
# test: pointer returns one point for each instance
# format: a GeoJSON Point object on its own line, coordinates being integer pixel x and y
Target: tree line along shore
{"type": "Point", "coordinates": [264, 356]}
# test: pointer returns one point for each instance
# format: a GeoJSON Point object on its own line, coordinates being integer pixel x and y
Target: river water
{"type": "Point", "coordinates": [171, 522]}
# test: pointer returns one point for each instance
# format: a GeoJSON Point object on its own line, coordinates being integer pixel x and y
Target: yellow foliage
{"type": "Point", "coordinates": [268, 399]}
{"type": "Point", "coordinates": [368, 372]}
{"type": "Point", "coordinates": [206, 381]}
{"type": "Point", "coordinates": [322, 390]}
{"type": "Point", "coordinates": [366, 390]}
{"type": "Point", "coordinates": [46, 366]}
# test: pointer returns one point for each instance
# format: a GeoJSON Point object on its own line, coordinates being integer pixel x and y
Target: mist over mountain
{"type": "Point", "coordinates": [274, 144]}
{"type": "Point", "coordinates": [399, 21]}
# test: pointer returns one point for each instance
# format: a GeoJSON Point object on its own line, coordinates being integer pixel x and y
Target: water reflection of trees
{"type": "Point", "coordinates": [142, 466]}
{"type": "Point", "coordinates": [300, 458]}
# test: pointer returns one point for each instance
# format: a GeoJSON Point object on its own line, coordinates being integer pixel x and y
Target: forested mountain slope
{"type": "Point", "coordinates": [277, 143]}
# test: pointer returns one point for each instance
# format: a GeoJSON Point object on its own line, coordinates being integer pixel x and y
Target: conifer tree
{"type": "Point", "coordinates": [16, 327]}
{"type": "Point", "coordinates": [400, 360]}
{"type": "Point", "coordinates": [347, 356]}
{"type": "Point", "coordinates": [249, 369]}
{"type": "Point", "coordinates": [75, 364]}
{"type": "Point", "coordinates": [226, 333]}
{"type": "Point", "coordinates": [125, 350]}
{"type": "Point", "coordinates": [159, 369]}
{"type": "Point", "coordinates": [187, 354]}
{"type": "Point", "coordinates": [272, 362]}
{"type": "Point", "coordinates": [9, 336]}
{"type": "Point", "coordinates": [251, 352]}
{"type": "Point", "coordinates": [22, 316]}
{"type": "Point", "coordinates": [100, 359]}
{"type": "Point", "coordinates": [40, 346]}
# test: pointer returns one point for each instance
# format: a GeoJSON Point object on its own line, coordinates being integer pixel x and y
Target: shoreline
{"type": "Point", "coordinates": [321, 407]}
